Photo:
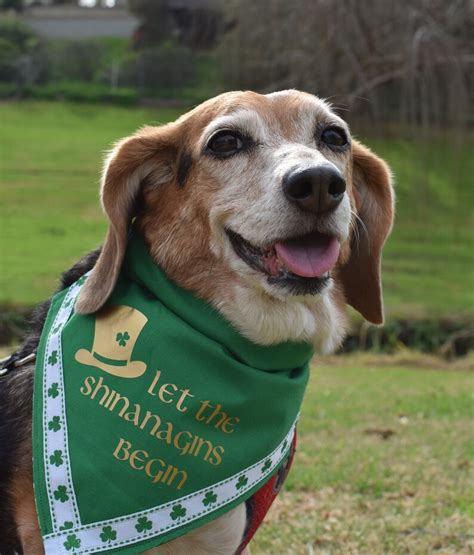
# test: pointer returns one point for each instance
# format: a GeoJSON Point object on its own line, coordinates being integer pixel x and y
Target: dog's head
{"type": "Point", "coordinates": [262, 205]}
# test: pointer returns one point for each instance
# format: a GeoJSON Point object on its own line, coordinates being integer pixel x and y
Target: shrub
{"type": "Point", "coordinates": [94, 70]}
{"type": "Point", "coordinates": [9, 53]}
{"type": "Point", "coordinates": [78, 60]}
{"type": "Point", "coordinates": [81, 92]}
{"type": "Point", "coordinates": [161, 67]}
{"type": "Point", "coordinates": [8, 90]}
{"type": "Point", "coordinates": [18, 33]}
{"type": "Point", "coordinates": [18, 47]}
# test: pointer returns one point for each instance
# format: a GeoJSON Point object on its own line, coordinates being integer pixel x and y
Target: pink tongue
{"type": "Point", "coordinates": [310, 256]}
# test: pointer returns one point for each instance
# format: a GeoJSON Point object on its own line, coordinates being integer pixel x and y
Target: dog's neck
{"type": "Point", "coordinates": [267, 320]}
{"type": "Point", "coordinates": [262, 318]}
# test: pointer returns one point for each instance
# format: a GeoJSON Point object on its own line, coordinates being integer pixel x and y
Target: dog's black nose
{"type": "Point", "coordinates": [318, 189]}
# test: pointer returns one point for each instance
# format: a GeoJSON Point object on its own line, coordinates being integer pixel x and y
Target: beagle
{"type": "Point", "coordinates": [263, 206]}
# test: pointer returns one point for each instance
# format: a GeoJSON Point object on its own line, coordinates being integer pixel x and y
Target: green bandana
{"type": "Point", "coordinates": [154, 415]}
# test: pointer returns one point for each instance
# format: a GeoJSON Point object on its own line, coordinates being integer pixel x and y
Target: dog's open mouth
{"type": "Point", "coordinates": [301, 263]}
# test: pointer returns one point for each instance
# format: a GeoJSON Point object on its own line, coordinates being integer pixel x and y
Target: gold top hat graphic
{"type": "Point", "coordinates": [116, 331]}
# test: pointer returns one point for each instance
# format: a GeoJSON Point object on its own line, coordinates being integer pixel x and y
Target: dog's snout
{"type": "Point", "coordinates": [318, 189]}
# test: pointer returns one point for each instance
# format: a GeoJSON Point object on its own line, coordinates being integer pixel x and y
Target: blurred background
{"type": "Point", "coordinates": [387, 447]}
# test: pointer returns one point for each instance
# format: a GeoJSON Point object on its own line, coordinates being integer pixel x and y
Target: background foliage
{"type": "Point", "coordinates": [405, 62]}
{"type": "Point", "coordinates": [409, 61]}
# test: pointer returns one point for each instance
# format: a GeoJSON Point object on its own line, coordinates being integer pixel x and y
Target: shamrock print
{"type": "Point", "coordinates": [56, 458]}
{"type": "Point", "coordinates": [72, 541]}
{"type": "Point", "coordinates": [53, 391]}
{"type": "Point", "coordinates": [209, 498]}
{"type": "Point", "coordinates": [67, 304]}
{"type": "Point", "coordinates": [60, 493]}
{"type": "Point", "coordinates": [122, 338]}
{"type": "Point", "coordinates": [108, 534]}
{"type": "Point", "coordinates": [66, 526]}
{"type": "Point", "coordinates": [266, 465]}
{"type": "Point", "coordinates": [56, 329]}
{"type": "Point", "coordinates": [143, 524]}
{"type": "Point", "coordinates": [54, 424]}
{"type": "Point", "coordinates": [283, 447]}
{"type": "Point", "coordinates": [178, 511]}
{"type": "Point", "coordinates": [81, 280]}
{"type": "Point", "coordinates": [53, 358]}
{"type": "Point", "coordinates": [241, 482]}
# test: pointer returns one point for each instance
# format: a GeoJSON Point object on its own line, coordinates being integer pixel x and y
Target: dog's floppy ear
{"type": "Point", "coordinates": [150, 152]}
{"type": "Point", "coordinates": [374, 204]}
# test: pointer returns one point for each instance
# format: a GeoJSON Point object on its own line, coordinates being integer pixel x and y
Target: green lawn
{"type": "Point", "coordinates": [50, 157]}
{"type": "Point", "coordinates": [50, 162]}
{"type": "Point", "coordinates": [429, 262]}
{"type": "Point", "coordinates": [351, 491]}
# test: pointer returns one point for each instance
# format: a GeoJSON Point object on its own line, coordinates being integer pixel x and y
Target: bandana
{"type": "Point", "coordinates": [154, 415]}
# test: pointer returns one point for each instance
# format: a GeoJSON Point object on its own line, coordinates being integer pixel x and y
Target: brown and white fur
{"type": "Point", "coordinates": [185, 199]}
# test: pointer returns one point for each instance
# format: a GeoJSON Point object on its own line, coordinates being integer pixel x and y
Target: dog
{"type": "Point", "coordinates": [264, 207]}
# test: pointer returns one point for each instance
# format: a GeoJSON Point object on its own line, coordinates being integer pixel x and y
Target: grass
{"type": "Point", "coordinates": [429, 259]}
{"type": "Point", "coordinates": [49, 167]}
{"type": "Point", "coordinates": [50, 162]}
{"type": "Point", "coordinates": [351, 491]}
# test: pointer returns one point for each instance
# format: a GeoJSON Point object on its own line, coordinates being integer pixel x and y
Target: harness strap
{"type": "Point", "coordinates": [260, 502]}
{"type": "Point", "coordinates": [13, 361]}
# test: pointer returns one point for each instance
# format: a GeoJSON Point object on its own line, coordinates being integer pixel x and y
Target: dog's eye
{"type": "Point", "coordinates": [225, 143]}
{"type": "Point", "coordinates": [334, 136]}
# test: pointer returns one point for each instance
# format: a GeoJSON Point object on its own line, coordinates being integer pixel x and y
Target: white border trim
{"type": "Point", "coordinates": [159, 519]}
{"type": "Point", "coordinates": [55, 441]}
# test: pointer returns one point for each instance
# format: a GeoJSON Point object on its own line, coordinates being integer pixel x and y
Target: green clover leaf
{"type": "Point", "coordinates": [57, 328]}
{"type": "Point", "coordinates": [56, 458]}
{"type": "Point", "coordinates": [53, 391]}
{"type": "Point", "coordinates": [241, 482]}
{"type": "Point", "coordinates": [54, 424]}
{"type": "Point", "coordinates": [81, 280]}
{"type": "Point", "coordinates": [283, 447]}
{"type": "Point", "coordinates": [178, 512]}
{"type": "Point", "coordinates": [143, 524]}
{"type": "Point", "coordinates": [266, 465]}
{"type": "Point", "coordinates": [122, 338]}
{"type": "Point", "coordinates": [108, 534]}
{"type": "Point", "coordinates": [72, 541]}
{"type": "Point", "coordinates": [66, 526]}
{"type": "Point", "coordinates": [60, 493]}
{"type": "Point", "coordinates": [53, 358]}
{"type": "Point", "coordinates": [209, 498]}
